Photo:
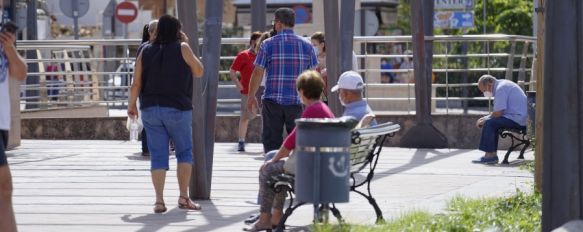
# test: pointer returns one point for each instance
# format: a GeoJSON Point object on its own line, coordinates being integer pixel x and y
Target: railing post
{"type": "Point", "coordinates": [31, 34]}
{"type": "Point", "coordinates": [43, 94]}
{"type": "Point", "coordinates": [423, 134]}
{"type": "Point", "coordinates": [332, 30]}
{"type": "Point", "coordinates": [69, 78]}
{"type": "Point", "coordinates": [258, 9]}
{"type": "Point", "coordinates": [96, 94]}
{"type": "Point", "coordinates": [522, 71]}
{"type": "Point", "coordinates": [510, 63]}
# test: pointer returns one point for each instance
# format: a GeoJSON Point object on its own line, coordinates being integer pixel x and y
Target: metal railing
{"type": "Point", "coordinates": [77, 73]}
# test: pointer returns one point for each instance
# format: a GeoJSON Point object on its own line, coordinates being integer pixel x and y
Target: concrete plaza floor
{"type": "Point", "coordinates": [70, 185]}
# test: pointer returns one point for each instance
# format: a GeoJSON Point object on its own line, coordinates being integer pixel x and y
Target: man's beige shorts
{"type": "Point", "coordinates": [245, 113]}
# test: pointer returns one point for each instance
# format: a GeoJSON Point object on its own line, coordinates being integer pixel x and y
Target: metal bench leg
{"type": "Point", "coordinates": [505, 161]}
{"type": "Point", "coordinates": [374, 204]}
{"type": "Point", "coordinates": [288, 212]}
{"type": "Point", "coordinates": [336, 214]}
{"type": "Point", "coordinates": [377, 210]}
{"type": "Point", "coordinates": [323, 214]}
{"type": "Point", "coordinates": [526, 145]}
{"type": "Point", "coordinates": [516, 141]}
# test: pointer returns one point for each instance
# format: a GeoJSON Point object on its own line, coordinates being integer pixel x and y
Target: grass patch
{"type": "Point", "coordinates": [521, 212]}
{"type": "Point", "coordinates": [528, 166]}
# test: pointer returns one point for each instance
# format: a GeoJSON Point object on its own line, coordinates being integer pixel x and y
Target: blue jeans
{"type": "Point", "coordinates": [489, 139]}
{"type": "Point", "coordinates": [163, 124]}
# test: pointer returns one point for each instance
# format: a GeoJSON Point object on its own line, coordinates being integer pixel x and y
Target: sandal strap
{"type": "Point", "coordinates": [188, 203]}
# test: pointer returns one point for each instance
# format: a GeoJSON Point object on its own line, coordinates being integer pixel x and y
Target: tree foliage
{"type": "Point", "coordinates": [404, 16]}
{"type": "Point", "coordinates": [513, 17]}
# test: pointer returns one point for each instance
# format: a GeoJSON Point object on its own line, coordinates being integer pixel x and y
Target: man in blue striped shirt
{"type": "Point", "coordinates": [282, 58]}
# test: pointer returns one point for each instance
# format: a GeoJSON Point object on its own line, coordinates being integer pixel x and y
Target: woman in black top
{"type": "Point", "coordinates": [163, 80]}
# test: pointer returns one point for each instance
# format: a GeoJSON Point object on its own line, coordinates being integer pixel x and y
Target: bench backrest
{"type": "Point", "coordinates": [365, 121]}
{"type": "Point", "coordinates": [365, 143]}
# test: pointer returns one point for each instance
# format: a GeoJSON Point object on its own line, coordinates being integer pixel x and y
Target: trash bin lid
{"type": "Point", "coordinates": [342, 122]}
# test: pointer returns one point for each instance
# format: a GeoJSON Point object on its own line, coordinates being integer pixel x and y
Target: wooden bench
{"type": "Point", "coordinates": [519, 137]}
{"type": "Point", "coordinates": [364, 155]}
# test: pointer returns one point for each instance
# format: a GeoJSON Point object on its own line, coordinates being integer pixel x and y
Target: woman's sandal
{"type": "Point", "coordinates": [254, 228]}
{"type": "Point", "coordinates": [159, 207]}
{"type": "Point", "coordinates": [188, 204]}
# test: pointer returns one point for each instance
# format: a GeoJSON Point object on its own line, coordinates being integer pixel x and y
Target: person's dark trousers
{"type": "Point", "coordinates": [144, 142]}
{"type": "Point", "coordinates": [275, 116]}
{"type": "Point", "coordinates": [489, 139]}
{"type": "Point", "coordinates": [3, 146]}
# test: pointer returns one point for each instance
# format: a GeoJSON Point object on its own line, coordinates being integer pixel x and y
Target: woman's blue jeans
{"type": "Point", "coordinates": [163, 124]}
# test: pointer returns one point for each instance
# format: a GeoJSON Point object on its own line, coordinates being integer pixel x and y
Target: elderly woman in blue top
{"type": "Point", "coordinates": [509, 112]}
{"type": "Point", "coordinates": [350, 87]}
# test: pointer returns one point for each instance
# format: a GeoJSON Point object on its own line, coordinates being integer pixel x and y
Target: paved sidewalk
{"type": "Point", "coordinates": [105, 186]}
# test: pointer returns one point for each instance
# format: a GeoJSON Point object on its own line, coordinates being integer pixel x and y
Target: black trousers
{"type": "Point", "coordinates": [3, 146]}
{"type": "Point", "coordinates": [275, 117]}
{"type": "Point", "coordinates": [144, 141]}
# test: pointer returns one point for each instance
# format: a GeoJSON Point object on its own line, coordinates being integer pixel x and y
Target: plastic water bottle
{"type": "Point", "coordinates": [133, 131]}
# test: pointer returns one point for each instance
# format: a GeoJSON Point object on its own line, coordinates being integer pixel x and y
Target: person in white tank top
{"type": "Point", "coordinates": [11, 66]}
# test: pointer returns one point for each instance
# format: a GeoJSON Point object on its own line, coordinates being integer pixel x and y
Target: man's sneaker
{"type": "Point", "coordinates": [241, 146]}
{"type": "Point", "coordinates": [486, 160]}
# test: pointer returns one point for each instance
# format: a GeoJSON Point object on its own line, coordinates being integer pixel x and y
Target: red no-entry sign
{"type": "Point", "coordinates": [126, 12]}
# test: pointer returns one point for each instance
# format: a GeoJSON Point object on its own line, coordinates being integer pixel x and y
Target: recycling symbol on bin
{"type": "Point", "coordinates": [338, 168]}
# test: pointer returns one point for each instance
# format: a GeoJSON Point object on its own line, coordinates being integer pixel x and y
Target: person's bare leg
{"type": "Point", "coordinates": [264, 221]}
{"type": "Point", "coordinates": [183, 173]}
{"type": "Point", "coordinates": [276, 215]}
{"type": "Point", "coordinates": [7, 221]}
{"type": "Point", "coordinates": [243, 125]}
{"type": "Point", "coordinates": [159, 179]}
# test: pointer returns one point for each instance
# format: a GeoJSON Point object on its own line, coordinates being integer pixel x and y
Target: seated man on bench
{"type": "Point", "coordinates": [349, 87]}
{"type": "Point", "coordinates": [509, 112]}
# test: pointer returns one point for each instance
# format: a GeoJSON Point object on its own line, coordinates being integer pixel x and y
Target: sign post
{"type": "Point", "coordinates": [74, 9]}
{"type": "Point", "coordinates": [126, 12]}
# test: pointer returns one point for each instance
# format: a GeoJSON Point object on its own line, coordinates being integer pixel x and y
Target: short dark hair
{"type": "Point", "coordinates": [168, 30]}
{"type": "Point", "coordinates": [254, 36]}
{"type": "Point", "coordinates": [310, 82]}
{"type": "Point", "coordinates": [286, 16]}
{"type": "Point", "coordinates": [319, 36]}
